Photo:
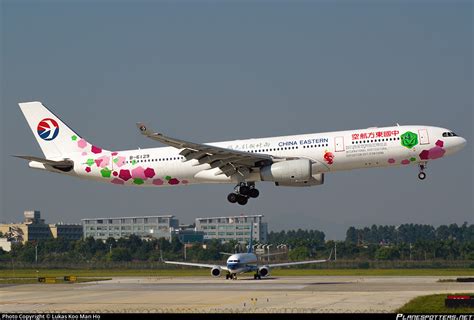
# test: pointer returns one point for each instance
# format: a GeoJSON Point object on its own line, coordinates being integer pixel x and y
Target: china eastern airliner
{"type": "Point", "coordinates": [291, 161]}
{"type": "Point", "coordinates": [239, 263]}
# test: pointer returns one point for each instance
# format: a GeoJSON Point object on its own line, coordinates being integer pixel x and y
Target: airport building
{"type": "Point", "coordinates": [122, 227]}
{"type": "Point", "coordinates": [34, 229]}
{"type": "Point", "coordinates": [233, 228]}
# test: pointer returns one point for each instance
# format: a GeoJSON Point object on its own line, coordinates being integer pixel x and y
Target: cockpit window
{"type": "Point", "coordinates": [449, 134]}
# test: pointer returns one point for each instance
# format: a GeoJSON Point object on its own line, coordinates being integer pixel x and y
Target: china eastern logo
{"type": "Point", "coordinates": [409, 139]}
{"type": "Point", "coordinates": [48, 129]}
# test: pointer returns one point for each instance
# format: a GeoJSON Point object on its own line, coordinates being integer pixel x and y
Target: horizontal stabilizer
{"type": "Point", "coordinates": [63, 165]}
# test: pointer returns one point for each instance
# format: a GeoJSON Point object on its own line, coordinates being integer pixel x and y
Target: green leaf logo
{"type": "Point", "coordinates": [409, 139]}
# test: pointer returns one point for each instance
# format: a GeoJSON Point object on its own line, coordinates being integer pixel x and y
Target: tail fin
{"type": "Point", "coordinates": [251, 239]}
{"type": "Point", "coordinates": [55, 139]}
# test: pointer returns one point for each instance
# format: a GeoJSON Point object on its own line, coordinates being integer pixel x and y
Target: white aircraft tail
{"type": "Point", "coordinates": [55, 138]}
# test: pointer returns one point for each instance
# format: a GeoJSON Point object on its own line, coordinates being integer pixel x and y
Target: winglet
{"type": "Point", "coordinates": [144, 129]}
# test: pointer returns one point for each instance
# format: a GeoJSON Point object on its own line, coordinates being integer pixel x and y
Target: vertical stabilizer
{"type": "Point", "coordinates": [55, 138]}
{"type": "Point", "coordinates": [251, 239]}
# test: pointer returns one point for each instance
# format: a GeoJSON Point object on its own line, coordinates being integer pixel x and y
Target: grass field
{"type": "Point", "coordinates": [25, 273]}
{"type": "Point", "coordinates": [433, 304]}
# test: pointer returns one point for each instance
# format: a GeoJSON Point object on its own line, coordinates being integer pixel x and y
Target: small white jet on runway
{"type": "Point", "coordinates": [245, 262]}
{"type": "Point", "coordinates": [292, 161]}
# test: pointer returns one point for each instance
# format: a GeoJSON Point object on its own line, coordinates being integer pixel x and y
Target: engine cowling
{"type": "Point", "coordinates": [316, 180]}
{"type": "Point", "coordinates": [264, 271]}
{"type": "Point", "coordinates": [289, 171]}
{"type": "Point", "coordinates": [216, 271]}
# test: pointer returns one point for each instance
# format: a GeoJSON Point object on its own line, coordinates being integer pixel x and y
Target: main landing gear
{"type": "Point", "coordinates": [232, 276]}
{"type": "Point", "coordinates": [422, 174]}
{"type": "Point", "coordinates": [257, 276]}
{"type": "Point", "coordinates": [242, 192]}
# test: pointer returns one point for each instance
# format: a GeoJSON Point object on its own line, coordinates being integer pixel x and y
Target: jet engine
{"type": "Point", "coordinates": [264, 271]}
{"type": "Point", "coordinates": [289, 171]}
{"type": "Point", "coordinates": [216, 271]}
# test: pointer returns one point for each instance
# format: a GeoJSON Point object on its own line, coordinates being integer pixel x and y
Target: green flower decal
{"type": "Point", "coordinates": [409, 139]}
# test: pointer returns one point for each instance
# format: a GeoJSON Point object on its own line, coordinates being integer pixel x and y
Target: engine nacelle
{"type": "Point", "coordinates": [316, 180]}
{"type": "Point", "coordinates": [216, 271]}
{"type": "Point", "coordinates": [288, 171]}
{"type": "Point", "coordinates": [264, 271]}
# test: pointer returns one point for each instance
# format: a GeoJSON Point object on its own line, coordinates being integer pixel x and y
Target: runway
{"type": "Point", "coordinates": [207, 294]}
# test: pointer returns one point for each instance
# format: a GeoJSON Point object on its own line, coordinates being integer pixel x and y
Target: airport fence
{"type": "Point", "coordinates": [154, 265]}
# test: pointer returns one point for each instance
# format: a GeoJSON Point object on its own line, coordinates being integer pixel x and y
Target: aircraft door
{"type": "Point", "coordinates": [424, 139]}
{"type": "Point", "coordinates": [339, 144]}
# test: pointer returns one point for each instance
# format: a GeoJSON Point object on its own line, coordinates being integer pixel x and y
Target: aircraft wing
{"type": "Point", "coordinates": [287, 264]}
{"type": "Point", "coordinates": [201, 265]}
{"type": "Point", "coordinates": [229, 161]}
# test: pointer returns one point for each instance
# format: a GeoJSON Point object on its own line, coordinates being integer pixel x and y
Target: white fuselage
{"type": "Point", "coordinates": [328, 152]}
{"type": "Point", "coordinates": [242, 262]}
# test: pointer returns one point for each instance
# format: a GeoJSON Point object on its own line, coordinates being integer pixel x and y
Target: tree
{"type": "Point", "coordinates": [120, 254]}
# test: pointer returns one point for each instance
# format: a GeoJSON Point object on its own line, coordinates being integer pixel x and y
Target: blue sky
{"type": "Point", "coordinates": [207, 71]}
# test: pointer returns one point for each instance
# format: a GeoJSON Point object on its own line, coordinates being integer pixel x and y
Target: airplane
{"type": "Point", "coordinates": [291, 161]}
{"type": "Point", "coordinates": [245, 262]}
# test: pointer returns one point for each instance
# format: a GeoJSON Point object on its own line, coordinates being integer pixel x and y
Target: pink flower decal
{"type": "Point", "coordinates": [158, 182]}
{"type": "Point", "coordinates": [120, 161]}
{"type": "Point", "coordinates": [440, 143]}
{"type": "Point", "coordinates": [434, 153]}
{"type": "Point", "coordinates": [173, 181]}
{"type": "Point", "coordinates": [406, 161]}
{"type": "Point", "coordinates": [96, 150]}
{"type": "Point", "coordinates": [391, 161]}
{"type": "Point", "coordinates": [117, 181]}
{"type": "Point", "coordinates": [102, 161]}
{"type": "Point", "coordinates": [139, 173]}
{"type": "Point", "coordinates": [82, 143]}
{"type": "Point", "coordinates": [125, 175]}
{"type": "Point", "coordinates": [88, 169]}
{"type": "Point", "coordinates": [149, 172]}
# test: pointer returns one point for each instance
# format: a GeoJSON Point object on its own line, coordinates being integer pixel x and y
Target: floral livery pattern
{"type": "Point", "coordinates": [104, 162]}
{"type": "Point", "coordinates": [436, 152]}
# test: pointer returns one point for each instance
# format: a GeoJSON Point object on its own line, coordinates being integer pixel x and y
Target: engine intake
{"type": "Point", "coordinates": [216, 271]}
{"type": "Point", "coordinates": [264, 271]}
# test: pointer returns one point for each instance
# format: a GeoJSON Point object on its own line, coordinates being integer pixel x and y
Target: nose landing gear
{"type": "Point", "coordinates": [242, 192]}
{"type": "Point", "coordinates": [422, 174]}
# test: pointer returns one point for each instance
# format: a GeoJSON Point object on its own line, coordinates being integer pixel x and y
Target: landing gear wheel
{"type": "Point", "coordinates": [421, 176]}
{"type": "Point", "coordinates": [242, 200]}
{"type": "Point", "coordinates": [232, 197]}
{"type": "Point", "coordinates": [227, 276]}
{"type": "Point", "coordinates": [253, 193]}
{"type": "Point", "coordinates": [244, 190]}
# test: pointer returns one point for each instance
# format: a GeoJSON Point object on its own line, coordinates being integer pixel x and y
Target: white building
{"type": "Point", "coordinates": [233, 228]}
{"type": "Point", "coordinates": [122, 227]}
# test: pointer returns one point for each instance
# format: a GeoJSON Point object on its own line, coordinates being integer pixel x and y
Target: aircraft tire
{"type": "Point", "coordinates": [242, 200]}
{"type": "Point", "coordinates": [232, 197]}
{"type": "Point", "coordinates": [254, 193]}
